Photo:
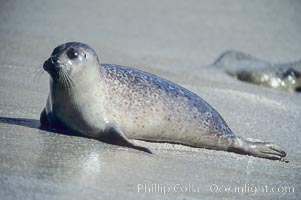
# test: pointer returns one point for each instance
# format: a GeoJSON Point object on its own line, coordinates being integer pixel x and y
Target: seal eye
{"type": "Point", "coordinates": [72, 53]}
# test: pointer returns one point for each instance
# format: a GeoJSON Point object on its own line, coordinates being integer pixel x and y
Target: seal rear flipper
{"type": "Point", "coordinates": [258, 149]}
{"type": "Point", "coordinates": [114, 135]}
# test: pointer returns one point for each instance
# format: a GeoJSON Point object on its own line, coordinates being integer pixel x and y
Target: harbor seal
{"type": "Point", "coordinates": [112, 103]}
{"type": "Point", "coordinates": [244, 67]}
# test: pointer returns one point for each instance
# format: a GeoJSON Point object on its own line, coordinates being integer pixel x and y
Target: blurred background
{"type": "Point", "coordinates": [159, 33]}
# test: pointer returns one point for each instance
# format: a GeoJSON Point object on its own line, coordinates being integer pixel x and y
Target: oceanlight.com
{"type": "Point", "coordinates": [251, 189]}
{"type": "Point", "coordinates": [214, 188]}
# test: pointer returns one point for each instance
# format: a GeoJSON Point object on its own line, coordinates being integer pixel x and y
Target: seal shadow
{"type": "Point", "coordinates": [34, 123]}
{"type": "Point", "coordinates": [30, 123]}
{"type": "Point", "coordinates": [114, 139]}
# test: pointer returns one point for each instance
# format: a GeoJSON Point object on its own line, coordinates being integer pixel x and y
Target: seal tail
{"type": "Point", "coordinates": [258, 149]}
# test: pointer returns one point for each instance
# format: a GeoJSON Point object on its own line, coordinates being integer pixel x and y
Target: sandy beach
{"type": "Point", "coordinates": [176, 40]}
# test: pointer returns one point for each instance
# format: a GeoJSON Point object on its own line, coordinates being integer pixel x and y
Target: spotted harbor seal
{"type": "Point", "coordinates": [112, 103]}
{"type": "Point", "coordinates": [244, 67]}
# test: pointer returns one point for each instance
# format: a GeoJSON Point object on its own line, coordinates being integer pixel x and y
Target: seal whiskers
{"type": "Point", "coordinates": [38, 73]}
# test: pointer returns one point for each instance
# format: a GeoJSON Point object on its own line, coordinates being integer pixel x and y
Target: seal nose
{"type": "Point", "coordinates": [51, 65]}
{"type": "Point", "coordinates": [47, 65]}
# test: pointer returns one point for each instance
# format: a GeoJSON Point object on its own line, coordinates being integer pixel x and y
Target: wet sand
{"type": "Point", "coordinates": [177, 40]}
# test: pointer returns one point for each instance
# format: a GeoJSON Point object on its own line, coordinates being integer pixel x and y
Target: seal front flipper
{"type": "Point", "coordinates": [49, 123]}
{"type": "Point", "coordinates": [114, 135]}
{"type": "Point", "coordinates": [258, 149]}
{"type": "Point", "coordinates": [44, 124]}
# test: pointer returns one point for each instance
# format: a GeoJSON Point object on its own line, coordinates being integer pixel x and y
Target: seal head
{"type": "Point", "coordinates": [64, 57]}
